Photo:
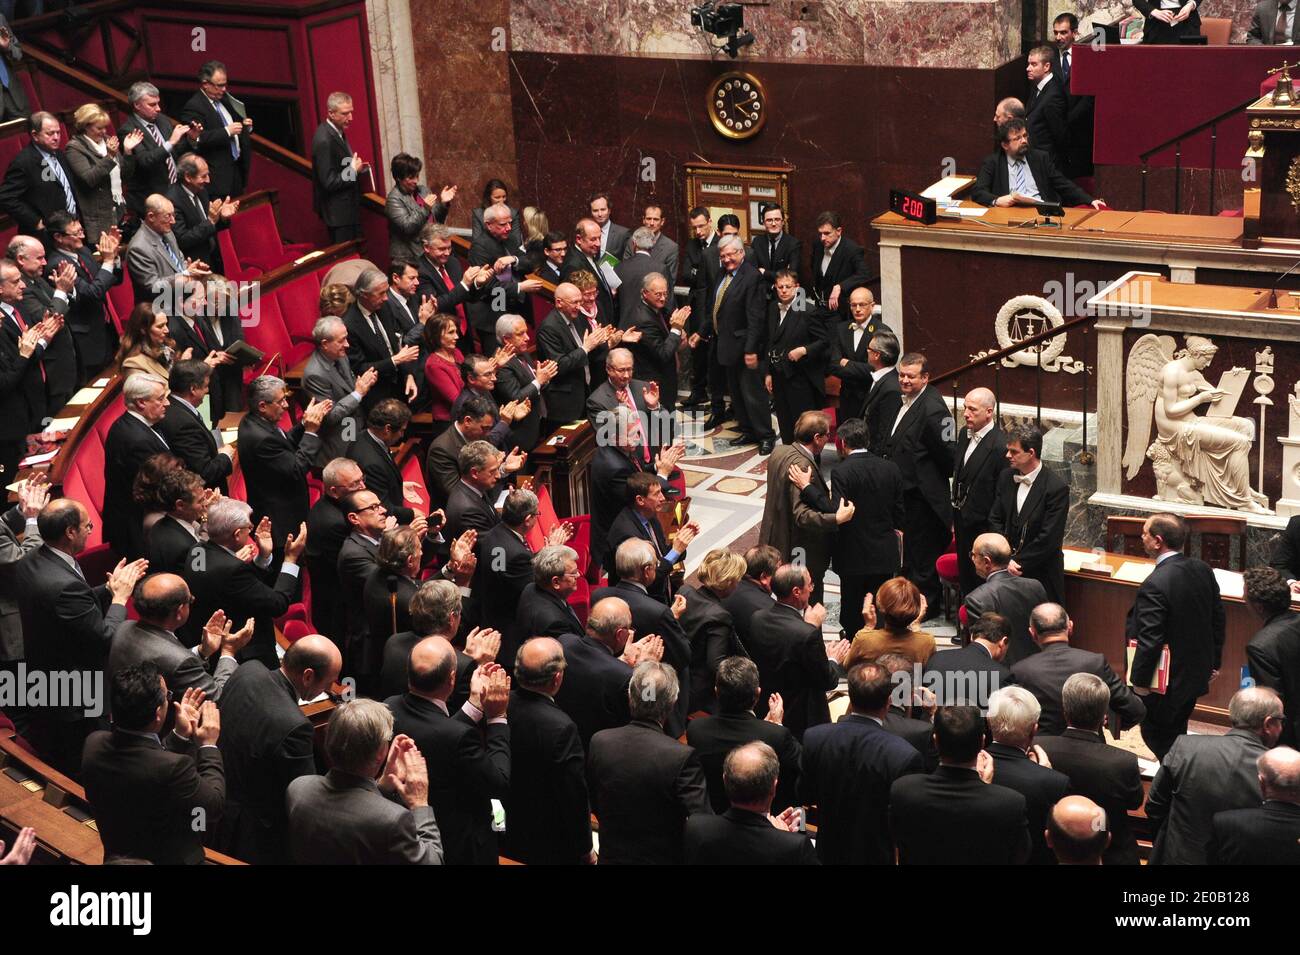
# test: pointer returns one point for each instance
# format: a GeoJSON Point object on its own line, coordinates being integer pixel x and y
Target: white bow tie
{"type": "Point", "coordinates": [1022, 479]}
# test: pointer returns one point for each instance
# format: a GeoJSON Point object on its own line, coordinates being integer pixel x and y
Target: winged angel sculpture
{"type": "Point", "coordinates": [1197, 459]}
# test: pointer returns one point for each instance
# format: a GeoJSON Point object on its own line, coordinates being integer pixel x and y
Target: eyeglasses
{"type": "Point", "coordinates": [371, 507]}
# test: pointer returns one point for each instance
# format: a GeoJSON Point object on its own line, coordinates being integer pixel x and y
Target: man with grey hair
{"type": "Point", "coordinates": [150, 168]}
{"type": "Point", "coordinates": [336, 172]}
{"type": "Point", "coordinates": [544, 608]}
{"type": "Point", "coordinates": [505, 559]}
{"type": "Point", "coordinates": [328, 376]}
{"type": "Point", "coordinates": [275, 462]}
{"type": "Point", "coordinates": [1267, 834]}
{"type": "Point", "coordinates": [644, 784]}
{"type": "Point", "coordinates": [980, 460]}
{"type": "Point", "coordinates": [737, 312]}
{"type": "Point", "coordinates": [659, 337]}
{"type": "Point", "coordinates": [327, 529]}
{"type": "Point", "coordinates": [632, 272]}
{"type": "Point", "coordinates": [1107, 775]}
{"type": "Point", "coordinates": [130, 442]}
{"type": "Point", "coordinates": [226, 130]}
{"type": "Point", "coordinates": [578, 349]}
{"type": "Point", "coordinates": [345, 817]}
{"type": "Point", "coordinates": [472, 501]}
{"type": "Point", "coordinates": [747, 833]}
{"type": "Point", "coordinates": [1202, 775]}
{"type": "Point", "coordinates": [1012, 596]}
{"type": "Point", "coordinates": [375, 342]}
{"type": "Point", "coordinates": [503, 259]}
{"type": "Point", "coordinates": [155, 260]}
{"type": "Point", "coordinates": [519, 379]}
{"type": "Point", "coordinates": [550, 818]}
{"type": "Point", "coordinates": [198, 216]}
{"type": "Point", "coordinates": [43, 298]}
{"type": "Point", "coordinates": [1020, 765]}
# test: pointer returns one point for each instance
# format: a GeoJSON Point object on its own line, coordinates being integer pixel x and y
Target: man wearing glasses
{"type": "Point", "coordinates": [226, 131]}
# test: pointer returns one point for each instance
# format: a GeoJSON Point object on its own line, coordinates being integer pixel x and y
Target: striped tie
{"type": "Point", "coordinates": [1018, 169]}
{"type": "Point", "coordinates": [152, 130]}
{"type": "Point", "coordinates": [52, 163]}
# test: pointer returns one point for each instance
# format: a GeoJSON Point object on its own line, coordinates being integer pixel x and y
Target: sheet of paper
{"type": "Point", "coordinates": [316, 699]}
{"type": "Point", "coordinates": [85, 396]}
{"type": "Point", "coordinates": [1231, 583]}
{"type": "Point", "coordinates": [230, 437]}
{"type": "Point", "coordinates": [964, 212]}
{"type": "Point", "coordinates": [501, 501]}
{"type": "Point", "coordinates": [1133, 571]}
{"type": "Point", "coordinates": [947, 186]}
{"type": "Point", "coordinates": [1074, 559]}
{"type": "Point", "coordinates": [62, 424]}
{"type": "Point", "coordinates": [102, 383]}
{"type": "Point", "coordinates": [38, 459]}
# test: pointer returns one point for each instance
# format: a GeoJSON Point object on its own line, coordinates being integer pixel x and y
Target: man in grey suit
{"type": "Point", "coordinates": [631, 274]}
{"type": "Point", "coordinates": [345, 817]}
{"type": "Point", "coordinates": [154, 257]}
{"type": "Point", "coordinates": [163, 603]}
{"type": "Point", "coordinates": [1271, 25]}
{"type": "Point", "coordinates": [664, 249]}
{"type": "Point", "coordinates": [1202, 775]}
{"type": "Point", "coordinates": [328, 375]}
{"type": "Point", "coordinates": [1002, 592]}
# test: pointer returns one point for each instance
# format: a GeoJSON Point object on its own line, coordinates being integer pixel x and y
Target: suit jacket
{"type": "Point", "coordinates": [406, 218]}
{"type": "Point", "coordinates": [336, 189]}
{"type": "Point", "coordinates": [1044, 675]}
{"type": "Point", "coordinates": [1015, 598]}
{"type": "Point", "coordinates": [1262, 835]}
{"type": "Point", "coordinates": [86, 314]}
{"type": "Point", "coordinates": [1079, 112]}
{"type": "Point", "coordinates": [1200, 776]}
{"type": "Point", "coordinates": [602, 398]}
{"type": "Point", "coordinates": [631, 274]}
{"type": "Point", "coordinates": [651, 614]}
{"type": "Point", "coordinates": [1045, 115]}
{"type": "Point", "coordinates": [144, 795]}
{"type": "Point", "coordinates": [975, 482]}
{"type": "Point", "coordinates": [275, 466]}
{"type": "Point", "coordinates": [22, 388]}
{"type": "Point", "coordinates": [566, 393]}
{"type": "Point", "coordinates": [740, 321]}
{"type": "Point", "coordinates": [11, 552]}
{"type": "Point", "coordinates": [218, 147]}
{"type": "Point", "coordinates": [327, 529]}
{"type": "Point", "coordinates": [860, 395]}
{"type": "Point", "coordinates": [993, 180]}
{"type": "Point", "coordinates": [170, 547]}
{"type": "Point", "coordinates": [1107, 775]}
{"type": "Point", "coordinates": [802, 328]}
{"type": "Point", "coordinates": [477, 228]}
{"type": "Point", "coordinates": [146, 171]}
{"type": "Point", "coordinates": [195, 233]}
{"type": "Point", "coordinates": [550, 818]}
{"type": "Point", "coordinates": [138, 642]}
{"type": "Point", "coordinates": [714, 737]}
{"type": "Point", "coordinates": [442, 470]}
{"type": "Point", "coordinates": [517, 379]}
{"type": "Point", "coordinates": [918, 733]}
{"type": "Point", "coordinates": [1037, 532]}
{"type": "Point", "coordinates": [356, 562]}
{"type": "Point", "coordinates": [789, 255]}
{"type": "Point", "coordinates": [610, 469]}
{"type": "Point", "coordinates": [700, 269]}
{"type": "Point", "coordinates": [92, 184]}
{"type": "Point", "coordinates": [504, 570]}
{"type": "Point", "coordinates": [342, 819]}
{"type": "Point", "coordinates": [468, 767]}
{"type": "Point", "coordinates": [712, 637]}
{"type": "Point", "coordinates": [367, 350]}
{"type": "Point", "coordinates": [382, 474]}
{"type": "Point", "coordinates": [432, 284]}
{"type": "Point", "coordinates": [466, 508]}
{"type": "Point", "coordinates": [1179, 605]}
{"type": "Point", "coordinates": [792, 661]}
{"type": "Point", "coordinates": [60, 357]}
{"type": "Point", "coordinates": [868, 543]}
{"type": "Point", "coordinates": [848, 270]}
{"type": "Point", "coordinates": [501, 295]}
{"type": "Point", "coordinates": [923, 453]}
{"type": "Point", "coordinates": [966, 676]}
{"type": "Point", "coordinates": [383, 593]}
{"type": "Point", "coordinates": [221, 581]}
{"type": "Point", "coordinates": [626, 526]}
{"type": "Point", "coordinates": [192, 441]}
{"type": "Point", "coordinates": [129, 443]}
{"type": "Point", "coordinates": [266, 743]}
{"type": "Point", "coordinates": [664, 254]}
{"type": "Point", "coordinates": [654, 356]}
{"type": "Point", "coordinates": [324, 379]}
{"type": "Point", "coordinates": [742, 837]}
{"type": "Point", "coordinates": [789, 520]}
{"type": "Point", "coordinates": [594, 691]}
{"type": "Point", "coordinates": [1264, 20]}
{"type": "Point", "coordinates": [951, 817]}
{"type": "Point", "coordinates": [643, 788]}
{"type": "Point", "coordinates": [617, 239]}
{"type": "Point", "coordinates": [151, 268]}
{"type": "Point", "coordinates": [1042, 788]}
{"type": "Point", "coordinates": [847, 771]}
{"type": "Point", "coordinates": [1286, 550]}
{"type": "Point", "coordinates": [30, 192]}
{"type": "Point", "coordinates": [742, 603]}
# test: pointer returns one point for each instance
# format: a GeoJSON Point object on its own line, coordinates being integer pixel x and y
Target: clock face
{"type": "Point", "coordinates": [737, 105]}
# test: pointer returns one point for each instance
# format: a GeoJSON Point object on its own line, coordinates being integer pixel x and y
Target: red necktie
{"type": "Point", "coordinates": [22, 325]}
{"type": "Point", "coordinates": [460, 309]}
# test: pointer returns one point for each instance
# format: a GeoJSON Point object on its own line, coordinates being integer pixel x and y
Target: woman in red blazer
{"type": "Point", "coordinates": [442, 368]}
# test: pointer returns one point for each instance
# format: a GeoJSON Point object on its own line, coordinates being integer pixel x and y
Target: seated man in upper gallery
{"type": "Point", "coordinates": [1020, 176]}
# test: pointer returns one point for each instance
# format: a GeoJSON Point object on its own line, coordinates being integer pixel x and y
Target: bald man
{"type": "Point", "coordinates": [659, 329]}
{"type": "Point", "coordinates": [266, 743]}
{"type": "Point", "coordinates": [1076, 831]}
{"type": "Point", "coordinates": [154, 257]}
{"type": "Point", "coordinates": [550, 817]}
{"type": "Point", "coordinates": [578, 349]}
{"type": "Point", "coordinates": [1267, 834]}
{"type": "Point", "coordinates": [1002, 592]}
{"type": "Point", "coordinates": [981, 459]}
{"type": "Point", "coordinates": [163, 603]}
{"type": "Point", "coordinates": [1007, 109]}
{"type": "Point", "coordinates": [469, 762]}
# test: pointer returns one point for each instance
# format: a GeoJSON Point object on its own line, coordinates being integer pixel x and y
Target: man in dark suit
{"type": "Point", "coordinates": [643, 784]}
{"type": "Point", "coordinates": [505, 292]}
{"type": "Point", "coordinates": [223, 581]}
{"type": "Point", "coordinates": [374, 342]}
{"type": "Point", "coordinates": [1002, 592]}
{"type": "Point", "coordinates": [745, 834]}
{"type": "Point", "coordinates": [1044, 674]}
{"type": "Point", "coordinates": [614, 238]}
{"type": "Point", "coordinates": [1203, 774]}
{"type": "Point", "coordinates": [738, 314]}
{"type": "Point", "coordinates": [598, 663]}
{"type": "Point", "coordinates": [555, 249]}
{"type": "Point", "coordinates": [1177, 606]}
{"type": "Point", "coordinates": [654, 353]}
{"type": "Point", "coordinates": [174, 538]}
{"type": "Point", "coordinates": [848, 769]}
{"type": "Point", "coordinates": [578, 352]}
{"type": "Point", "coordinates": [519, 379]}
{"type": "Point", "coordinates": [129, 443]}
{"type": "Point", "coordinates": [1273, 24]}
{"type": "Point", "coordinates": [920, 442]}
{"type": "Point", "coordinates": [48, 290]}
{"type": "Point", "coordinates": [275, 462]}
{"type": "Point", "coordinates": [868, 381]}
{"type": "Point", "coordinates": [445, 280]}
{"type": "Point", "coordinates": [472, 502]}
{"type": "Point", "coordinates": [904, 720]}
{"type": "Point", "coordinates": [39, 179]}
{"type": "Point", "coordinates": [980, 460]}
{"type": "Point", "coordinates": [1018, 175]}
{"type": "Point", "coordinates": [837, 265]}
{"type": "Point", "coordinates": [266, 743]}
{"type": "Point", "coordinates": [1285, 558]}
{"type": "Point", "coordinates": [969, 675]}
{"type": "Point", "coordinates": [754, 592]}
{"type": "Point", "coordinates": [956, 816]}
{"type": "Point", "coordinates": [336, 172]}
{"type": "Point", "coordinates": [505, 561]}
{"type": "Point", "coordinates": [700, 267]}
{"type": "Point", "coordinates": [1107, 775]}
{"type": "Point", "coordinates": [866, 550]}
{"type": "Point", "coordinates": [67, 624]}
{"type": "Point", "coordinates": [475, 420]}
{"type": "Point", "coordinates": [328, 376]}
{"type": "Point", "coordinates": [1012, 723]}
{"type": "Point", "coordinates": [614, 463]}
{"type": "Point", "coordinates": [735, 724]}
{"type": "Point", "coordinates": [22, 376]}
{"type": "Point", "coordinates": [357, 560]}
{"type": "Point", "coordinates": [776, 250]}
{"type": "Point", "coordinates": [544, 608]}
{"type": "Point", "coordinates": [327, 529]}
{"type": "Point", "coordinates": [640, 520]}
{"type": "Point", "coordinates": [644, 398]}
{"type": "Point", "coordinates": [796, 354]}
{"type": "Point", "coordinates": [469, 763]}
{"type": "Point", "coordinates": [186, 433]}
{"type": "Point", "coordinates": [147, 794]}
{"type": "Point", "coordinates": [1267, 834]}
{"type": "Point", "coordinates": [1078, 109]}
{"type": "Point", "coordinates": [226, 140]}
{"type": "Point", "coordinates": [1030, 510]}
{"type": "Point", "coordinates": [1045, 106]}
{"type": "Point", "coordinates": [385, 427]}
{"type": "Point", "coordinates": [198, 215]}
{"type": "Point", "coordinates": [584, 256]}
{"type": "Point", "coordinates": [1274, 651]}
{"type": "Point", "coordinates": [92, 330]}
{"type": "Point", "coordinates": [793, 660]}
{"type": "Point", "coordinates": [150, 168]}
{"type": "Point", "coordinates": [663, 250]}
{"type": "Point", "coordinates": [550, 818]}
{"type": "Point", "coordinates": [632, 272]}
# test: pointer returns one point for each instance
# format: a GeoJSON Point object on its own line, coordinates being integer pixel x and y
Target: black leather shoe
{"type": "Point", "coordinates": [766, 446]}
{"type": "Point", "coordinates": [696, 401]}
{"type": "Point", "coordinates": [712, 422]}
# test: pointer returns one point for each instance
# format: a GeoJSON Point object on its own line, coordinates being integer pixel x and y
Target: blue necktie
{"type": "Point", "coordinates": [1018, 174]}
{"type": "Point", "coordinates": [4, 73]}
{"type": "Point", "coordinates": [179, 265]}
{"type": "Point", "coordinates": [226, 121]}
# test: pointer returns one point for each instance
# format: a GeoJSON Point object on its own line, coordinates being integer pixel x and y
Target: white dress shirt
{"type": "Point", "coordinates": [975, 439]}
{"type": "Point", "coordinates": [1023, 486]}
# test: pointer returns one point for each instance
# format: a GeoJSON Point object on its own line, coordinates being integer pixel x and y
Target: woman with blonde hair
{"type": "Point", "coordinates": [708, 624]}
{"type": "Point", "coordinates": [892, 625]}
{"type": "Point", "coordinates": [335, 300]}
{"type": "Point", "coordinates": [95, 157]}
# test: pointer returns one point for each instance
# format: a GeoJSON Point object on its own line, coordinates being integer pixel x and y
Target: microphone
{"type": "Point", "coordinates": [1272, 293]}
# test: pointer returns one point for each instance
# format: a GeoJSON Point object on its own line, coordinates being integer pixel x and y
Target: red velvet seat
{"type": "Point", "coordinates": [256, 238]}
{"type": "Point", "coordinates": [295, 630]}
{"type": "Point", "coordinates": [411, 471]}
{"type": "Point", "coordinates": [231, 267]}
{"type": "Point", "coordinates": [122, 295]}
{"type": "Point", "coordinates": [300, 307]}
